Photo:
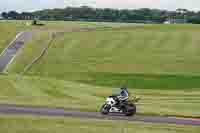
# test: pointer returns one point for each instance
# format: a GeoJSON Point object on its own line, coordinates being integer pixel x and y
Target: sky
{"type": "Point", "coordinates": [31, 5]}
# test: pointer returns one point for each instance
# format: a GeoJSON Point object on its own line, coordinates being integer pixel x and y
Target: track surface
{"type": "Point", "coordinates": [10, 52]}
{"type": "Point", "coordinates": [46, 111]}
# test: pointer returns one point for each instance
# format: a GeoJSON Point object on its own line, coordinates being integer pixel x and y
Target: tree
{"type": "Point", "coordinates": [85, 13]}
{"type": "Point", "coordinates": [4, 15]}
{"type": "Point", "coordinates": [13, 14]}
{"type": "Point", "coordinates": [194, 19]}
{"type": "Point", "coordinates": [181, 11]}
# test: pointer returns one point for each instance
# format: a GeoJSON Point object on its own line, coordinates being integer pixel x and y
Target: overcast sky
{"type": "Point", "coordinates": [30, 5]}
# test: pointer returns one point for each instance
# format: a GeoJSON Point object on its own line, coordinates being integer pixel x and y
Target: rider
{"type": "Point", "coordinates": [124, 94]}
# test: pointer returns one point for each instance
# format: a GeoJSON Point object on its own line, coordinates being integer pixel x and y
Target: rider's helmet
{"type": "Point", "coordinates": [123, 88]}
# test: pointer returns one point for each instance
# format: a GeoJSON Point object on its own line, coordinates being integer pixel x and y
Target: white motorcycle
{"type": "Point", "coordinates": [114, 105]}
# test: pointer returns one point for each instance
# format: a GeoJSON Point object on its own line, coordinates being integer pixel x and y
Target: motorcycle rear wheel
{"type": "Point", "coordinates": [130, 110]}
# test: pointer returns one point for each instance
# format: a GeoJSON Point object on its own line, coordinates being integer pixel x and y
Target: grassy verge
{"type": "Point", "coordinates": [51, 92]}
{"type": "Point", "coordinates": [7, 34]}
{"type": "Point", "coordinates": [30, 51]}
{"type": "Point", "coordinates": [24, 124]}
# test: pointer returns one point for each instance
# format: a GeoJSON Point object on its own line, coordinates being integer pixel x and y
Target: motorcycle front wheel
{"type": "Point", "coordinates": [105, 109]}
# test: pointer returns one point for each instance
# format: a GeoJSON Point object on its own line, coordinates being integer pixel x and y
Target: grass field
{"type": "Point", "coordinates": [167, 59]}
{"type": "Point", "coordinates": [73, 95]}
{"type": "Point", "coordinates": [162, 68]}
{"type": "Point", "coordinates": [170, 50]}
{"type": "Point", "coordinates": [24, 124]}
{"type": "Point", "coordinates": [39, 41]}
{"type": "Point", "coordinates": [9, 29]}
{"type": "Point", "coordinates": [60, 25]}
{"type": "Point", "coordinates": [165, 64]}
{"type": "Point", "coordinates": [7, 34]}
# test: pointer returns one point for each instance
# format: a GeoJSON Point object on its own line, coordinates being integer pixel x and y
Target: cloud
{"type": "Point", "coordinates": [29, 5]}
{"type": "Point", "coordinates": [128, 3]}
{"type": "Point", "coordinates": [160, 4]}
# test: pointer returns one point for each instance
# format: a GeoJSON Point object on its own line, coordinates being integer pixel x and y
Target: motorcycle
{"type": "Point", "coordinates": [113, 105]}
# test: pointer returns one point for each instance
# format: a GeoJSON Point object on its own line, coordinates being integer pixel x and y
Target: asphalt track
{"type": "Point", "coordinates": [7, 109]}
{"type": "Point", "coordinates": [9, 53]}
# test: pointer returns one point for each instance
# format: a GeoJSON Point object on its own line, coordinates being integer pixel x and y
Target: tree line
{"type": "Point", "coordinates": [84, 13]}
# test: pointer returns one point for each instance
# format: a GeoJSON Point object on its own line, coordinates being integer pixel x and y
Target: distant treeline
{"type": "Point", "coordinates": [85, 13]}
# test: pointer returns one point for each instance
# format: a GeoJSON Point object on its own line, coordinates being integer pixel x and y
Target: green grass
{"type": "Point", "coordinates": [125, 50]}
{"type": "Point", "coordinates": [24, 124]}
{"type": "Point", "coordinates": [160, 63]}
{"type": "Point", "coordinates": [9, 29]}
{"type": "Point", "coordinates": [78, 24]}
{"type": "Point", "coordinates": [41, 35]}
{"type": "Point", "coordinates": [7, 34]}
{"type": "Point", "coordinates": [141, 81]}
{"type": "Point", "coordinates": [73, 95]}
{"type": "Point", "coordinates": [166, 59]}
{"type": "Point", "coordinates": [31, 50]}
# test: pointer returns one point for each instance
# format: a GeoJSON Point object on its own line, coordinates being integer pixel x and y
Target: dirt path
{"type": "Point", "coordinates": [45, 111]}
{"type": "Point", "coordinates": [9, 53]}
